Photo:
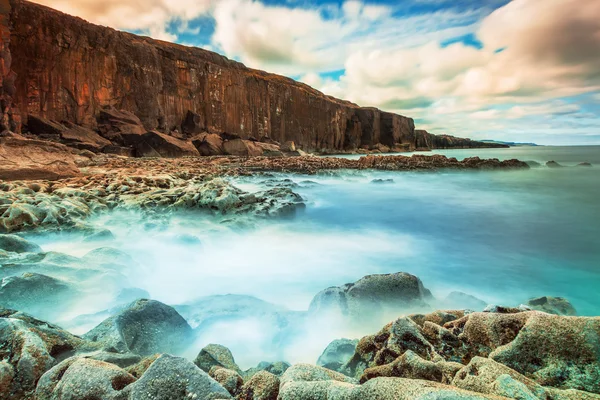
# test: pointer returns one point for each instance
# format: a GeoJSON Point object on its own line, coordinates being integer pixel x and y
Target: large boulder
{"type": "Point", "coordinates": [17, 244]}
{"type": "Point", "coordinates": [68, 133]}
{"type": "Point", "coordinates": [178, 379]}
{"type": "Point", "coordinates": [192, 124]}
{"type": "Point", "coordinates": [25, 159]}
{"type": "Point", "coordinates": [143, 327]}
{"type": "Point", "coordinates": [37, 294]}
{"type": "Point", "coordinates": [120, 126]}
{"type": "Point", "coordinates": [28, 348]}
{"type": "Point", "coordinates": [242, 148]}
{"type": "Point", "coordinates": [216, 355]}
{"type": "Point", "coordinates": [374, 296]}
{"type": "Point", "coordinates": [209, 144]}
{"type": "Point", "coordinates": [83, 378]}
{"type": "Point", "coordinates": [231, 380]}
{"type": "Point", "coordinates": [156, 144]}
{"type": "Point", "coordinates": [337, 353]}
{"type": "Point", "coordinates": [552, 305]}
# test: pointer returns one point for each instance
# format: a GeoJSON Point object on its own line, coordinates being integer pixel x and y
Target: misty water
{"type": "Point", "coordinates": [503, 236]}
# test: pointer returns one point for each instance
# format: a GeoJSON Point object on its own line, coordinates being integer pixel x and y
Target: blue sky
{"type": "Point", "coordinates": [520, 70]}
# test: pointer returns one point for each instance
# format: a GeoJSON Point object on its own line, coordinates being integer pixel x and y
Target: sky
{"type": "Point", "coordinates": [514, 70]}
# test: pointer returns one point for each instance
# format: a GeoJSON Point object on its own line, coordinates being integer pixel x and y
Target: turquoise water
{"type": "Point", "coordinates": [503, 236]}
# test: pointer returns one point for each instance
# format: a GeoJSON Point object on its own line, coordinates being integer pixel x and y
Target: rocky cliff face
{"type": "Point", "coordinates": [68, 70]}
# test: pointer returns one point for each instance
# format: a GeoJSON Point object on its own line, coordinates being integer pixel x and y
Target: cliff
{"type": "Point", "coordinates": [69, 70]}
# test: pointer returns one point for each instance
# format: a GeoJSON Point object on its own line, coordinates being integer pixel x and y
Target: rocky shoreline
{"type": "Point", "coordinates": [537, 350]}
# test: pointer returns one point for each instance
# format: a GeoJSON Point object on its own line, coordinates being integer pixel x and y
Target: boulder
{"type": "Point", "coordinates": [552, 305]}
{"type": "Point", "coordinates": [43, 127]}
{"type": "Point", "coordinates": [242, 148]}
{"type": "Point", "coordinates": [25, 159]}
{"type": "Point", "coordinates": [228, 378]}
{"type": "Point", "coordinates": [337, 353]}
{"type": "Point", "coordinates": [215, 355]}
{"type": "Point", "coordinates": [374, 296]}
{"type": "Point", "coordinates": [553, 164]}
{"type": "Point", "coordinates": [17, 244]}
{"type": "Point", "coordinates": [269, 149]}
{"type": "Point", "coordinates": [144, 327]}
{"type": "Point", "coordinates": [83, 378]}
{"type": "Point", "coordinates": [83, 138]}
{"type": "Point", "coordinates": [120, 126]}
{"type": "Point", "coordinates": [29, 347]}
{"type": "Point", "coordinates": [37, 294]}
{"type": "Point", "coordinates": [192, 124]}
{"type": "Point", "coordinates": [156, 144]}
{"type": "Point", "coordinates": [176, 378]}
{"type": "Point", "coordinates": [305, 381]}
{"type": "Point", "coordinates": [288, 146]}
{"type": "Point", "coordinates": [276, 368]}
{"type": "Point", "coordinates": [584, 164]}
{"type": "Point", "coordinates": [209, 144]}
{"type": "Point", "coordinates": [262, 386]}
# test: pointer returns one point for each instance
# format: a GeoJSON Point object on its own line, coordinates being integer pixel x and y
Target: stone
{"type": "Point", "coordinates": [17, 244]}
{"type": "Point", "coordinates": [37, 294]}
{"type": "Point", "coordinates": [262, 386]}
{"type": "Point", "coordinates": [553, 164]}
{"type": "Point", "coordinates": [25, 159]}
{"type": "Point", "coordinates": [337, 353]}
{"type": "Point", "coordinates": [144, 327]}
{"type": "Point", "coordinates": [83, 378]}
{"type": "Point", "coordinates": [373, 295]}
{"type": "Point", "coordinates": [68, 133]}
{"type": "Point", "coordinates": [119, 126]}
{"type": "Point", "coordinates": [269, 150]}
{"type": "Point", "coordinates": [216, 355]}
{"type": "Point", "coordinates": [288, 146]}
{"type": "Point", "coordinates": [29, 347]}
{"type": "Point", "coordinates": [192, 124]}
{"type": "Point", "coordinates": [231, 380]}
{"type": "Point", "coordinates": [176, 378]}
{"type": "Point", "coordinates": [584, 164]}
{"type": "Point", "coordinates": [156, 144]}
{"type": "Point", "coordinates": [552, 305]}
{"type": "Point", "coordinates": [242, 148]}
{"type": "Point", "coordinates": [209, 144]}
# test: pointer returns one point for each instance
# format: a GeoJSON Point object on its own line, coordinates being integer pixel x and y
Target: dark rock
{"type": "Point", "coordinates": [584, 164]}
{"type": "Point", "coordinates": [156, 144]}
{"type": "Point", "coordinates": [209, 144]}
{"type": "Point", "coordinates": [215, 355]}
{"type": "Point", "coordinates": [176, 378]}
{"type": "Point", "coordinates": [553, 164]}
{"type": "Point", "coordinates": [288, 146]}
{"type": "Point", "coordinates": [41, 126]}
{"type": "Point", "coordinates": [533, 164]}
{"type": "Point", "coordinates": [192, 124]}
{"type": "Point", "coordinates": [120, 126]}
{"type": "Point", "coordinates": [276, 368]}
{"type": "Point", "coordinates": [83, 138]}
{"type": "Point", "coordinates": [337, 353]}
{"type": "Point", "coordinates": [381, 181]}
{"type": "Point", "coordinates": [17, 244]}
{"type": "Point", "coordinates": [552, 305]}
{"type": "Point", "coordinates": [144, 327]}
{"type": "Point", "coordinates": [242, 148]}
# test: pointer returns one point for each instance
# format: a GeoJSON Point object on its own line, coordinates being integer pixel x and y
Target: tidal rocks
{"type": "Point", "coordinates": [215, 355]}
{"type": "Point", "coordinates": [552, 305]}
{"type": "Point", "coordinates": [83, 378]}
{"type": "Point", "coordinates": [17, 244]}
{"type": "Point", "coordinates": [262, 386]}
{"type": "Point", "coordinates": [144, 327]}
{"type": "Point", "coordinates": [553, 164]}
{"type": "Point", "coordinates": [584, 164]}
{"type": "Point", "coordinates": [36, 294]}
{"type": "Point", "coordinates": [176, 378]}
{"type": "Point", "coordinates": [22, 158]}
{"type": "Point", "coordinates": [373, 295]}
{"type": "Point", "coordinates": [337, 353]}
{"type": "Point", "coordinates": [28, 348]}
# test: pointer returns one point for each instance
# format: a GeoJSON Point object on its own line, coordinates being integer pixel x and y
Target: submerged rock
{"type": "Point", "coordinates": [16, 244]}
{"type": "Point", "coordinates": [337, 353]}
{"type": "Point", "coordinates": [553, 164]}
{"type": "Point", "coordinates": [373, 295]}
{"type": "Point", "coordinates": [144, 327]}
{"type": "Point", "coordinates": [552, 305]}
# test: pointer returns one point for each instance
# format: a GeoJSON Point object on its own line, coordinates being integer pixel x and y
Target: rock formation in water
{"type": "Point", "coordinates": [63, 75]}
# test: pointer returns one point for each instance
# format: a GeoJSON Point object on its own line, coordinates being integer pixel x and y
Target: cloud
{"type": "Point", "coordinates": [148, 16]}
